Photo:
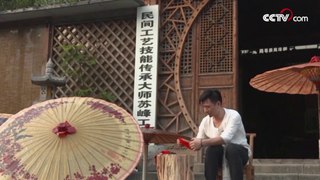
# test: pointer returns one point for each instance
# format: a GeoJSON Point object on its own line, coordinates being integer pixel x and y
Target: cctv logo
{"type": "Point", "coordinates": [285, 15]}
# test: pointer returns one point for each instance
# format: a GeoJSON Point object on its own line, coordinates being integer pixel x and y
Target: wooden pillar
{"type": "Point", "coordinates": [235, 55]}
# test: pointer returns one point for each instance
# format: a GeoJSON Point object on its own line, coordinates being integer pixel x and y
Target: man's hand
{"type": "Point", "coordinates": [195, 144]}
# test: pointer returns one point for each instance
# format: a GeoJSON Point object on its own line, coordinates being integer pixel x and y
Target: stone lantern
{"type": "Point", "coordinates": [48, 83]}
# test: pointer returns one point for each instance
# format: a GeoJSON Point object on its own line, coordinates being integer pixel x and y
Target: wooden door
{"type": "Point", "coordinates": [197, 52]}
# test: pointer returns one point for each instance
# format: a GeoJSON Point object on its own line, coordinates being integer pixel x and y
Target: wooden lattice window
{"type": "Point", "coordinates": [216, 37]}
{"type": "Point", "coordinates": [186, 58]}
{"type": "Point", "coordinates": [177, 54]}
{"type": "Point", "coordinates": [112, 45]}
{"type": "Point", "coordinates": [169, 39]}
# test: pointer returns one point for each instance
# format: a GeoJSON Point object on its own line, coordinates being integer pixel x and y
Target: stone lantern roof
{"type": "Point", "coordinates": [49, 79]}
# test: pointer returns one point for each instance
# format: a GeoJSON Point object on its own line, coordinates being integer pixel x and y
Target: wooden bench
{"type": "Point", "coordinates": [249, 168]}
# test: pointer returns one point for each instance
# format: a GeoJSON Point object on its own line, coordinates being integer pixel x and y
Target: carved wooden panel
{"type": "Point", "coordinates": [196, 53]}
{"type": "Point", "coordinates": [175, 56]}
{"type": "Point", "coordinates": [216, 41]}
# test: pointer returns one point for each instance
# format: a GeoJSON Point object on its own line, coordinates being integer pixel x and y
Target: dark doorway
{"type": "Point", "coordinates": [286, 125]}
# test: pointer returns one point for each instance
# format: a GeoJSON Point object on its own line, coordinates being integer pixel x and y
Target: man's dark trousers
{"type": "Point", "coordinates": [236, 155]}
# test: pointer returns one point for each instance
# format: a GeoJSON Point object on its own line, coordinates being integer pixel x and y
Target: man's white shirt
{"type": "Point", "coordinates": [231, 129]}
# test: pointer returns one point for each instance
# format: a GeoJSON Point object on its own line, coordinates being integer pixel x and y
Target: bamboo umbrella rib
{"type": "Point", "coordinates": [57, 158]}
{"type": "Point", "coordinates": [264, 80]}
{"type": "Point", "coordinates": [88, 151]}
{"type": "Point", "coordinates": [302, 84]}
{"type": "Point", "coordinates": [62, 162]}
{"type": "Point", "coordinates": [50, 159]}
{"type": "Point", "coordinates": [276, 75]}
{"type": "Point", "coordinates": [84, 113]}
{"type": "Point", "coordinates": [110, 125]}
{"type": "Point", "coordinates": [70, 108]}
{"type": "Point", "coordinates": [76, 152]}
{"type": "Point", "coordinates": [106, 137]}
{"type": "Point", "coordinates": [57, 113]}
{"type": "Point", "coordinates": [110, 141]}
{"type": "Point", "coordinates": [290, 86]}
{"type": "Point", "coordinates": [283, 83]}
{"type": "Point", "coordinates": [79, 151]}
{"type": "Point", "coordinates": [47, 116]}
{"type": "Point", "coordinates": [115, 137]}
{"type": "Point", "coordinates": [274, 85]}
{"type": "Point", "coordinates": [73, 152]}
{"type": "Point", "coordinates": [54, 115]}
{"type": "Point", "coordinates": [81, 113]}
{"type": "Point", "coordinates": [34, 146]}
{"type": "Point", "coordinates": [102, 120]}
{"type": "Point", "coordinates": [93, 150]}
{"type": "Point", "coordinates": [114, 144]}
{"type": "Point", "coordinates": [33, 156]}
{"type": "Point", "coordinates": [89, 114]}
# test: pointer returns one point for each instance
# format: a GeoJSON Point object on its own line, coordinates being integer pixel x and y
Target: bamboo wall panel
{"type": "Point", "coordinates": [23, 53]}
{"type": "Point", "coordinates": [112, 45]}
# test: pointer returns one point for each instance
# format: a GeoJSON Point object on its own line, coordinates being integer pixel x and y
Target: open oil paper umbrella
{"type": "Point", "coordinates": [296, 79]}
{"type": "Point", "coordinates": [70, 138]}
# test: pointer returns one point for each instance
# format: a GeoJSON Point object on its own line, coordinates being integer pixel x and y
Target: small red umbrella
{"type": "Point", "coordinates": [297, 79]}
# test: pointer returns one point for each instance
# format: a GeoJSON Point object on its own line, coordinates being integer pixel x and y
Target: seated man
{"type": "Point", "coordinates": [221, 130]}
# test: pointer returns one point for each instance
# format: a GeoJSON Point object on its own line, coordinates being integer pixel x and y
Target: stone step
{"type": "Point", "coordinates": [288, 168]}
{"type": "Point", "coordinates": [258, 176]}
{"type": "Point", "coordinates": [297, 166]}
{"type": "Point", "coordinates": [286, 161]}
{"type": "Point", "coordinates": [286, 176]}
{"type": "Point", "coordinates": [301, 166]}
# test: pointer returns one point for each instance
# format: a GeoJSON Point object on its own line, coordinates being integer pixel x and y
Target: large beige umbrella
{"type": "Point", "coordinates": [70, 138]}
{"type": "Point", "coordinates": [297, 79]}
